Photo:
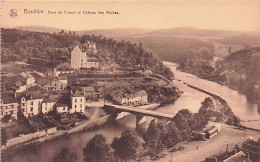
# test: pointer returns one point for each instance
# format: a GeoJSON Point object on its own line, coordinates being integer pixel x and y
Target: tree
{"type": "Point", "coordinates": [184, 122]}
{"type": "Point", "coordinates": [153, 137]}
{"type": "Point", "coordinates": [66, 156]}
{"type": "Point", "coordinates": [97, 150]}
{"type": "Point", "coordinates": [127, 145]}
{"type": "Point", "coordinates": [172, 135]}
{"type": "Point", "coordinates": [7, 118]}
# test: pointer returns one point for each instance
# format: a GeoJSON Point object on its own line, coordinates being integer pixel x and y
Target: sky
{"type": "Point", "coordinates": [240, 15]}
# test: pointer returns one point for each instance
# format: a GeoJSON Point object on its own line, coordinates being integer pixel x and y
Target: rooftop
{"type": "Point", "coordinates": [35, 75]}
{"type": "Point", "coordinates": [32, 95]}
{"type": "Point", "coordinates": [44, 81]}
{"type": "Point", "coordinates": [8, 98]}
{"type": "Point", "coordinates": [61, 104]}
{"type": "Point", "coordinates": [78, 94]}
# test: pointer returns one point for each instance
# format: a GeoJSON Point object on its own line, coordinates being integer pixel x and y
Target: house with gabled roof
{"type": "Point", "coordinates": [62, 108]}
{"type": "Point", "coordinates": [90, 92]}
{"type": "Point", "coordinates": [77, 102]}
{"type": "Point", "coordinates": [137, 98]}
{"type": "Point", "coordinates": [9, 106]}
{"type": "Point", "coordinates": [48, 104]}
{"type": "Point", "coordinates": [60, 83]}
{"type": "Point", "coordinates": [31, 103]}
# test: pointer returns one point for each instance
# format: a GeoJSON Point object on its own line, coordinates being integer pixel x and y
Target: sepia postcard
{"type": "Point", "coordinates": [127, 81]}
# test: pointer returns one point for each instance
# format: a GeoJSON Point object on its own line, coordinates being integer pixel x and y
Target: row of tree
{"type": "Point", "coordinates": [159, 135]}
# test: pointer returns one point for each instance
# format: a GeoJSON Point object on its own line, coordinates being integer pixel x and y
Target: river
{"type": "Point", "coordinates": [191, 99]}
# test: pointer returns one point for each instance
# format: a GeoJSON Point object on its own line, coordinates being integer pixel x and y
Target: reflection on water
{"type": "Point", "coordinates": [190, 99]}
{"type": "Point", "coordinates": [238, 102]}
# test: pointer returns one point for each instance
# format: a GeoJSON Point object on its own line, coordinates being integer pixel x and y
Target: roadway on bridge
{"type": "Point", "coordinates": [142, 110]}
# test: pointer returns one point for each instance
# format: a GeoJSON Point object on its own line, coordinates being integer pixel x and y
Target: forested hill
{"type": "Point", "coordinates": [241, 70]}
{"type": "Point", "coordinates": [55, 48]}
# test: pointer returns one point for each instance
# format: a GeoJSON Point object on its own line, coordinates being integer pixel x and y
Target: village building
{"type": "Point", "coordinates": [60, 83]}
{"type": "Point", "coordinates": [20, 82]}
{"type": "Point", "coordinates": [90, 93]}
{"type": "Point", "coordinates": [9, 106]}
{"type": "Point", "coordinates": [62, 108]}
{"type": "Point", "coordinates": [44, 82]}
{"type": "Point", "coordinates": [252, 149]}
{"type": "Point", "coordinates": [240, 156]}
{"type": "Point", "coordinates": [47, 105]}
{"type": "Point", "coordinates": [137, 98]}
{"type": "Point", "coordinates": [64, 68]}
{"type": "Point", "coordinates": [30, 80]}
{"type": "Point", "coordinates": [80, 59]}
{"type": "Point", "coordinates": [31, 103]}
{"type": "Point", "coordinates": [36, 75]}
{"type": "Point", "coordinates": [77, 102]}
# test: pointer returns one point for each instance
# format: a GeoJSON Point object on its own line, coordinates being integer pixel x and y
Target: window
{"type": "Point", "coordinates": [80, 110]}
{"type": "Point", "coordinates": [11, 112]}
{"type": "Point", "coordinates": [45, 108]}
{"type": "Point", "coordinates": [75, 100]}
{"type": "Point", "coordinates": [75, 106]}
{"type": "Point", "coordinates": [80, 105]}
{"type": "Point", "coordinates": [81, 100]}
{"type": "Point", "coordinates": [31, 108]}
{"type": "Point", "coordinates": [23, 104]}
{"type": "Point", "coordinates": [63, 108]}
{"type": "Point", "coordinates": [31, 102]}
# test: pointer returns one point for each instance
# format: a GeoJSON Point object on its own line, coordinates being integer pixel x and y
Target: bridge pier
{"type": "Point", "coordinates": [138, 119]}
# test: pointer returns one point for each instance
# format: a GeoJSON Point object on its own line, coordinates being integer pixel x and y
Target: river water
{"type": "Point", "coordinates": [191, 99]}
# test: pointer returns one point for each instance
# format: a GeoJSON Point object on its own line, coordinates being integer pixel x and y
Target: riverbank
{"type": "Point", "coordinates": [235, 83]}
{"type": "Point", "coordinates": [85, 125]}
{"type": "Point", "coordinates": [79, 127]}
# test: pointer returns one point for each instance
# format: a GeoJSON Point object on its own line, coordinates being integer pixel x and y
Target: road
{"type": "Point", "coordinates": [142, 111]}
{"type": "Point", "coordinates": [227, 136]}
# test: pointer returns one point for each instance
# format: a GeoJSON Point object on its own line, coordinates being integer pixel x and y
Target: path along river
{"type": "Point", "coordinates": [191, 99]}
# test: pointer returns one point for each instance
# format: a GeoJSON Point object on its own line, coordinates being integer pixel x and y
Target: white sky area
{"type": "Point", "coordinates": [241, 15]}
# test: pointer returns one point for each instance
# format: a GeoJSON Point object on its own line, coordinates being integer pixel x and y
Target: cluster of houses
{"type": "Point", "coordinates": [42, 95]}
{"type": "Point", "coordinates": [33, 92]}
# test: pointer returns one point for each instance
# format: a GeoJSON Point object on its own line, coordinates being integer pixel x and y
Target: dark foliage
{"type": "Point", "coordinates": [66, 155]}
{"type": "Point", "coordinates": [52, 49]}
{"type": "Point", "coordinates": [97, 150]}
{"type": "Point", "coordinates": [127, 145]}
